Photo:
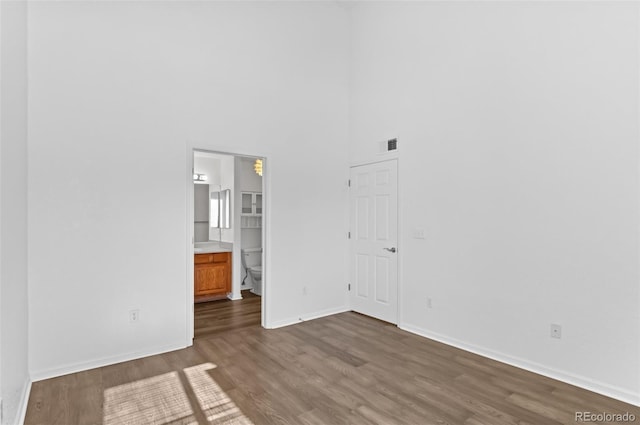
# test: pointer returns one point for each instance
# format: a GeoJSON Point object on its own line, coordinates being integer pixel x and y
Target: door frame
{"type": "Point", "coordinates": [265, 309]}
{"type": "Point", "coordinates": [388, 157]}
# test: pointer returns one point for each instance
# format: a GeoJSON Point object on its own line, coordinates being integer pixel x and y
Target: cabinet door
{"type": "Point", "coordinates": [247, 203]}
{"type": "Point", "coordinates": [258, 203]}
{"type": "Point", "coordinates": [211, 279]}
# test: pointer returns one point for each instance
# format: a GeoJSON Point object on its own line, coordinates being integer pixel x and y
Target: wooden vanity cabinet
{"type": "Point", "coordinates": [212, 276]}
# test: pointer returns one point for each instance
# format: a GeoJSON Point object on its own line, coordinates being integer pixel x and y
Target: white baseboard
{"type": "Point", "coordinates": [306, 317]}
{"type": "Point", "coordinates": [39, 375]}
{"type": "Point", "coordinates": [24, 401]}
{"type": "Point", "coordinates": [282, 323]}
{"type": "Point", "coordinates": [579, 381]}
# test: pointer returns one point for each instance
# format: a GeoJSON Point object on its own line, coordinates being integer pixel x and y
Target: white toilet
{"type": "Point", "coordinates": [252, 263]}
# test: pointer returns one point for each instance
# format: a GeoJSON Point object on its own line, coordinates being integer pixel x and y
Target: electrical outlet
{"type": "Point", "coordinates": [134, 316]}
{"type": "Point", "coordinates": [429, 303]}
{"type": "Point", "coordinates": [556, 331]}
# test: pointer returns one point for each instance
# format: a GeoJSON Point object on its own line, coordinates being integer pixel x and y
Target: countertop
{"type": "Point", "coordinates": [209, 247]}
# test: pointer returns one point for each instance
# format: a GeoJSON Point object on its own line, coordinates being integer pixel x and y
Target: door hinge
{"type": "Point", "coordinates": [348, 235]}
{"type": "Point", "coordinates": [349, 286]}
{"type": "Point", "coordinates": [349, 182]}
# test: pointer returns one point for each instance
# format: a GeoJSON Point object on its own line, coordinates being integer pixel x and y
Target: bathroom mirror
{"type": "Point", "coordinates": [220, 209]}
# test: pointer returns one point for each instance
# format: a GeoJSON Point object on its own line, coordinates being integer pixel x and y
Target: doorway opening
{"type": "Point", "coordinates": [227, 287]}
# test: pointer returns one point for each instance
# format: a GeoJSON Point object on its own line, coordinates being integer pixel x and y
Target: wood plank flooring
{"type": "Point", "coordinates": [213, 317]}
{"type": "Point", "coordinates": [342, 369]}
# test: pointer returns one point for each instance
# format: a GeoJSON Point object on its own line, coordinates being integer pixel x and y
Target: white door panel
{"type": "Point", "coordinates": [374, 226]}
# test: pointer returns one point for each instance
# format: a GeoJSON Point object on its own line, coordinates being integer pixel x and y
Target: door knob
{"type": "Point", "coordinates": [393, 249]}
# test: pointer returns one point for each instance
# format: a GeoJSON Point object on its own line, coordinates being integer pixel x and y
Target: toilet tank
{"type": "Point", "coordinates": [252, 257]}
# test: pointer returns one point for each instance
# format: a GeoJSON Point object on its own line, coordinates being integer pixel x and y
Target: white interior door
{"type": "Point", "coordinates": [374, 236]}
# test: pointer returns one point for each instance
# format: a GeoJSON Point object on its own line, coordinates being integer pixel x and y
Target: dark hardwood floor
{"type": "Point", "coordinates": [213, 317]}
{"type": "Point", "coordinates": [342, 369]}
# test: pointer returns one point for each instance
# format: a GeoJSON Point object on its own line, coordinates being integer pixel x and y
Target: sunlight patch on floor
{"type": "Point", "coordinates": [157, 400]}
{"type": "Point", "coordinates": [214, 402]}
{"type": "Point", "coordinates": [163, 400]}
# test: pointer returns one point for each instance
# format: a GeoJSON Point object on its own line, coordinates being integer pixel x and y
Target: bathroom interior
{"type": "Point", "coordinates": [227, 228]}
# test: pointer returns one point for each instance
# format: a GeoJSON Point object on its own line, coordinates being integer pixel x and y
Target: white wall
{"type": "Point", "coordinates": [518, 134]}
{"type": "Point", "coordinates": [14, 376]}
{"type": "Point", "coordinates": [204, 164]}
{"type": "Point", "coordinates": [145, 81]}
{"type": "Point", "coordinates": [250, 181]}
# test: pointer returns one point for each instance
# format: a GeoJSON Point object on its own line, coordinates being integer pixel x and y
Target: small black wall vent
{"type": "Point", "coordinates": [392, 145]}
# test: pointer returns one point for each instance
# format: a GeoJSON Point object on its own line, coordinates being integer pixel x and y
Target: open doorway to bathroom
{"type": "Point", "coordinates": [228, 242]}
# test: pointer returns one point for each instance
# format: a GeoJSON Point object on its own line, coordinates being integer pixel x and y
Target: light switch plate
{"type": "Point", "coordinates": [418, 233]}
